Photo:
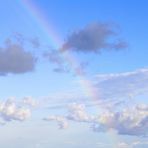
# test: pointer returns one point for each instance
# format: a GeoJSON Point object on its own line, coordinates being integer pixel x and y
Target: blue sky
{"type": "Point", "coordinates": [100, 101]}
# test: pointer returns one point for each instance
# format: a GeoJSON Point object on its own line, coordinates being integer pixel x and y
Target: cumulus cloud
{"type": "Point", "coordinates": [62, 99]}
{"type": "Point", "coordinates": [77, 112]}
{"type": "Point", "coordinates": [122, 85]}
{"type": "Point", "coordinates": [129, 121]}
{"type": "Point", "coordinates": [115, 113]}
{"type": "Point", "coordinates": [10, 111]}
{"type": "Point", "coordinates": [62, 121]}
{"type": "Point", "coordinates": [125, 121]}
{"type": "Point", "coordinates": [19, 37]}
{"type": "Point", "coordinates": [15, 59]}
{"type": "Point", "coordinates": [94, 38]}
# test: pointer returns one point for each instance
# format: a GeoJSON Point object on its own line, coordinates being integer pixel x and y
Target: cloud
{"type": "Point", "coordinates": [118, 144]}
{"type": "Point", "coordinates": [60, 100]}
{"type": "Point", "coordinates": [30, 101]}
{"type": "Point", "coordinates": [95, 37]}
{"type": "Point", "coordinates": [129, 121]}
{"type": "Point", "coordinates": [123, 145]}
{"type": "Point", "coordinates": [77, 112]}
{"type": "Point", "coordinates": [115, 110]}
{"type": "Point", "coordinates": [138, 144]}
{"type": "Point", "coordinates": [15, 59]}
{"type": "Point", "coordinates": [125, 121]}
{"type": "Point", "coordinates": [62, 121]}
{"type": "Point", "coordinates": [20, 38]}
{"type": "Point", "coordinates": [55, 57]}
{"type": "Point", "coordinates": [61, 65]}
{"type": "Point", "coordinates": [10, 111]}
{"type": "Point", "coordinates": [122, 85]}
{"type": "Point", "coordinates": [35, 42]}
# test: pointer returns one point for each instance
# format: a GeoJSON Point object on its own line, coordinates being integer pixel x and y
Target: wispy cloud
{"type": "Point", "coordinates": [35, 42]}
{"type": "Point", "coordinates": [56, 58]}
{"type": "Point", "coordinates": [122, 85]}
{"type": "Point", "coordinates": [112, 91]}
{"type": "Point", "coordinates": [62, 121]}
{"type": "Point", "coordinates": [29, 101]}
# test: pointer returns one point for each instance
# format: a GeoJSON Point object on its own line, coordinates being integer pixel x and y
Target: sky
{"type": "Point", "coordinates": [73, 74]}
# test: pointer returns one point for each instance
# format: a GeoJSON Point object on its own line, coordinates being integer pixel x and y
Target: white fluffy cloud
{"type": "Point", "coordinates": [10, 111]}
{"type": "Point", "coordinates": [129, 121]}
{"type": "Point", "coordinates": [77, 112]}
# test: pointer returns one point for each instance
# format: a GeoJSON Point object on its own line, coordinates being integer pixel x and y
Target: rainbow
{"type": "Point", "coordinates": [56, 40]}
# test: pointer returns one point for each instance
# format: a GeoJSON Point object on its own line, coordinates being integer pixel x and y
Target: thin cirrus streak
{"type": "Point", "coordinates": [55, 39]}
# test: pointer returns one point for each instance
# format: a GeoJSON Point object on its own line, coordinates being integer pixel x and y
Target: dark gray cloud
{"type": "Point", "coordinates": [94, 38]}
{"type": "Point", "coordinates": [15, 59]}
